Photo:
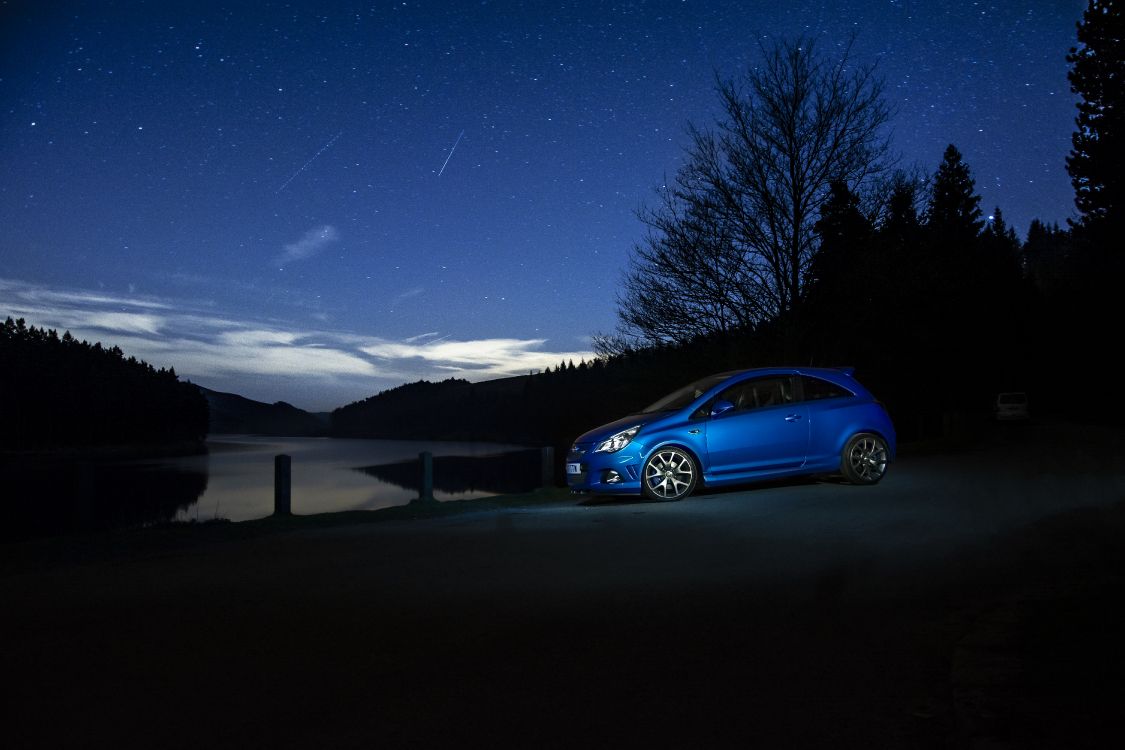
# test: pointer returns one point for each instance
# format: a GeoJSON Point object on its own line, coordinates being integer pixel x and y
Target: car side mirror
{"type": "Point", "coordinates": [721, 407]}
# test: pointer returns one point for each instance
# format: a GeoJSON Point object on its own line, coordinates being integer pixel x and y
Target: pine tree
{"type": "Point", "coordinates": [1001, 239]}
{"type": "Point", "coordinates": [900, 221]}
{"type": "Point", "coordinates": [1097, 75]}
{"type": "Point", "coordinates": [843, 231]}
{"type": "Point", "coordinates": [954, 211]}
{"type": "Point", "coordinates": [844, 277]}
{"type": "Point", "coordinates": [1045, 255]}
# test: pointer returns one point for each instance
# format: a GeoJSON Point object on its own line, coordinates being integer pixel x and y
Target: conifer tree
{"type": "Point", "coordinates": [1097, 75]}
{"type": "Point", "coordinates": [954, 211]}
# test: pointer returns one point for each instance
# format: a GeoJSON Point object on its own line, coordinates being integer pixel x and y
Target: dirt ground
{"type": "Point", "coordinates": [973, 599]}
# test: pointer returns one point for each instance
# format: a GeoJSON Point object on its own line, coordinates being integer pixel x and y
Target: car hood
{"type": "Point", "coordinates": [599, 434]}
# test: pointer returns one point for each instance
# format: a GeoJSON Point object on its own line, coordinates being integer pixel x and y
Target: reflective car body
{"type": "Point", "coordinates": [736, 427]}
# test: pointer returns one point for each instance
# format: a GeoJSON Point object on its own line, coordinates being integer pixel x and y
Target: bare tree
{"type": "Point", "coordinates": [730, 242]}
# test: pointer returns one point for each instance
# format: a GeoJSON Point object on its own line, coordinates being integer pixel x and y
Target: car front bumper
{"type": "Point", "coordinates": [610, 473]}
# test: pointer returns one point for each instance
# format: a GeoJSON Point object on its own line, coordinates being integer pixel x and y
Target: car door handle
{"type": "Point", "coordinates": [792, 417]}
{"type": "Point", "coordinates": [694, 432]}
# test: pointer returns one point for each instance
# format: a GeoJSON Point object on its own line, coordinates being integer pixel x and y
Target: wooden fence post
{"type": "Point", "coordinates": [282, 479]}
{"type": "Point", "coordinates": [426, 485]}
{"type": "Point", "coordinates": [547, 468]}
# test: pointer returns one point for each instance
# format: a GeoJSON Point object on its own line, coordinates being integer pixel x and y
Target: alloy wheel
{"type": "Point", "coordinates": [670, 474]}
{"type": "Point", "coordinates": [867, 459]}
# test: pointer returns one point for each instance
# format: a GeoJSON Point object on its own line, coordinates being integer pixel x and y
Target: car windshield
{"type": "Point", "coordinates": [682, 397]}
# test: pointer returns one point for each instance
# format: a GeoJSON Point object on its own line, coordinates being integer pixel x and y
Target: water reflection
{"type": "Point", "coordinates": [234, 481]}
{"type": "Point", "coordinates": [517, 471]}
{"type": "Point", "coordinates": [45, 496]}
{"type": "Point", "coordinates": [324, 474]}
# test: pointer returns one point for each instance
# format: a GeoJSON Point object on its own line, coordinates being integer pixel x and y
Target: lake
{"type": "Point", "coordinates": [234, 481]}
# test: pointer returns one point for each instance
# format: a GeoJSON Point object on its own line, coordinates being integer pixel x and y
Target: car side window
{"type": "Point", "coordinates": [759, 393]}
{"type": "Point", "coordinates": [816, 389]}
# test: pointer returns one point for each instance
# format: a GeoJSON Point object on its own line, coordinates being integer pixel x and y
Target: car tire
{"type": "Point", "coordinates": [864, 460]}
{"type": "Point", "coordinates": [669, 474]}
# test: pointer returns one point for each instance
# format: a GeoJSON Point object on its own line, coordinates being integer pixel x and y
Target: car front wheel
{"type": "Point", "coordinates": [865, 459]}
{"type": "Point", "coordinates": [669, 474]}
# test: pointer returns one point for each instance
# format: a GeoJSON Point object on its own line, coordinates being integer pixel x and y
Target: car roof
{"type": "Point", "coordinates": [791, 370]}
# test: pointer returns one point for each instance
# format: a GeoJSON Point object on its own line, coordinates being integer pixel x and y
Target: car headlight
{"type": "Point", "coordinates": [618, 441]}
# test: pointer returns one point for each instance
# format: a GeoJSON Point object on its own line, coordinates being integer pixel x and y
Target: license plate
{"type": "Point", "coordinates": [574, 468]}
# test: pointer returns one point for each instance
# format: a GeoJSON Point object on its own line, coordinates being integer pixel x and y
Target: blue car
{"type": "Point", "coordinates": [738, 427]}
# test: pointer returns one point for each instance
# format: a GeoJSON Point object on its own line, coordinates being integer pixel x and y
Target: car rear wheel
{"type": "Point", "coordinates": [865, 459]}
{"type": "Point", "coordinates": [669, 474]}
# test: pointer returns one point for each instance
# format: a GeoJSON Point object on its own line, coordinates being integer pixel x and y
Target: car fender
{"type": "Point", "coordinates": [861, 428]}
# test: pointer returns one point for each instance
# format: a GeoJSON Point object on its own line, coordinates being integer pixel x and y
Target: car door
{"type": "Point", "coordinates": [766, 431]}
{"type": "Point", "coordinates": [831, 412]}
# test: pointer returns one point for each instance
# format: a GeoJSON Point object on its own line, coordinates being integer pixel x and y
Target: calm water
{"type": "Point", "coordinates": [328, 474]}
{"type": "Point", "coordinates": [234, 481]}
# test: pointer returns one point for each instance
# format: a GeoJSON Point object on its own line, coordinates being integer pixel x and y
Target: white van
{"type": "Point", "coordinates": [1012, 406]}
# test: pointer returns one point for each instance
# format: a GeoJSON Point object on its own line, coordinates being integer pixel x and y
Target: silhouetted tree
{"type": "Point", "coordinates": [58, 392]}
{"type": "Point", "coordinates": [845, 280]}
{"type": "Point", "coordinates": [731, 243]}
{"type": "Point", "coordinates": [1001, 251]}
{"type": "Point", "coordinates": [1001, 237]}
{"type": "Point", "coordinates": [901, 221]}
{"type": "Point", "coordinates": [1045, 257]}
{"type": "Point", "coordinates": [843, 232]}
{"type": "Point", "coordinates": [1097, 75]}
{"type": "Point", "coordinates": [953, 214]}
{"type": "Point", "coordinates": [1095, 264]}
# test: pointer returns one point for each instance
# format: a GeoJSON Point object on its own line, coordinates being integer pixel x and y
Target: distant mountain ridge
{"type": "Point", "coordinates": [234, 414]}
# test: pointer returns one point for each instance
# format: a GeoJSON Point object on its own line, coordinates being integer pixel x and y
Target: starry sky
{"type": "Point", "coordinates": [312, 202]}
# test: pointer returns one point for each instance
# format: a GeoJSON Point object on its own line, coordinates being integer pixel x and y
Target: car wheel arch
{"type": "Point", "coordinates": [860, 429]}
{"type": "Point", "coordinates": [680, 446]}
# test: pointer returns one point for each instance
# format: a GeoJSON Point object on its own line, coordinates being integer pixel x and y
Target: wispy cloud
{"type": "Point", "coordinates": [269, 360]}
{"type": "Point", "coordinates": [200, 345]}
{"type": "Point", "coordinates": [311, 243]}
{"type": "Point", "coordinates": [473, 358]}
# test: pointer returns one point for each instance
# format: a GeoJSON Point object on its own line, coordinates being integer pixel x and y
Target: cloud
{"type": "Point", "coordinates": [197, 344]}
{"type": "Point", "coordinates": [42, 295]}
{"type": "Point", "coordinates": [476, 359]}
{"type": "Point", "coordinates": [256, 338]}
{"type": "Point", "coordinates": [259, 354]}
{"type": "Point", "coordinates": [125, 322]}
{"type": "Point", "coordinates": [311, 243]}
{"type": "Point", "coordinates": [270, 360]}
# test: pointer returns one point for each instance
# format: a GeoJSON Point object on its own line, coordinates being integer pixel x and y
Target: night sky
{"type": "Point", "coordinates": [314, 202]}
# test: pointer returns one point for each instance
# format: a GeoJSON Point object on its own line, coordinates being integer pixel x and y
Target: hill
{"type": "Point", "coordinates": [234, 414]}
{"type": "Point", "coordinates": [57, 392]}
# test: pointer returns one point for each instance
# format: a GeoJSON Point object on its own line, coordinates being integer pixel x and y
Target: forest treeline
{"type": "Point", "coordinates": [59, 392]}
{"type": "Point", "coordinates": [890, 297]}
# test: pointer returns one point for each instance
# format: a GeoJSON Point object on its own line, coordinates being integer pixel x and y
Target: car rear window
{"type": "Point", "coordinates": [816, 389]}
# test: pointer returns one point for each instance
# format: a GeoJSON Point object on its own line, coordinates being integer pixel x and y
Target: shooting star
{"type": "Point", "coordinates": [450, 156]}
{"type": "Point", "coordinates": [310, 161]}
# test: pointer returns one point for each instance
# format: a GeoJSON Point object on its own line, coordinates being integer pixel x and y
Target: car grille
{"type": "Point", "coordinates": [578, 450]}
